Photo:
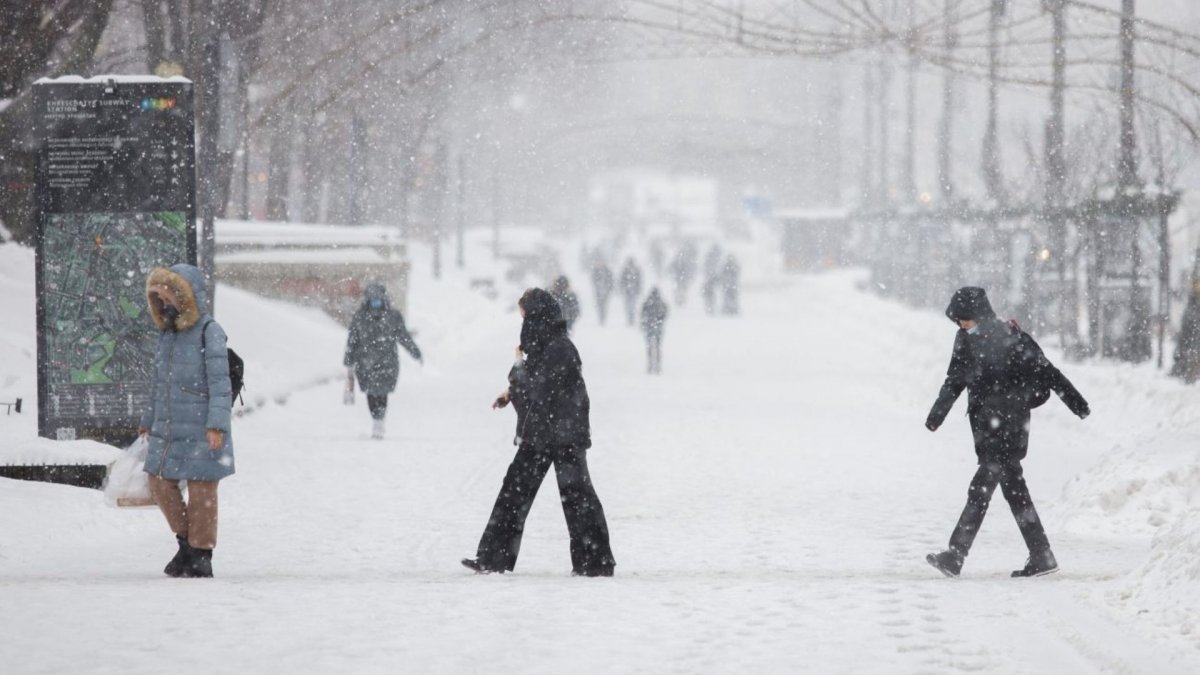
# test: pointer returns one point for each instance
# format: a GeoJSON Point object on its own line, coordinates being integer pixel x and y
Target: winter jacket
{"type": "Point", "coordinates": [631, 280]}
{"type": "Point", "coordinates": [371, 345]}
{"type": "Point", "coordinates": [568, 302]}
{"type": "Point", "coordinates": [1005, 373]}
{"type": "Point", "coordinates": [654, 314]}
{"type": "Point", "coordinates": [191, 390]}
{"type": "Point", "coordinates": [602, 279]}
{"type": "Point", "coordinates": [548, 391]}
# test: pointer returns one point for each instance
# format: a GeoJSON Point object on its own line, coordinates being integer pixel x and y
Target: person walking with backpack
{"type": "Point", "coordinates": [371, 353]}
{"type": "Point", "coordinates": [1005, 374]}
{"type": "Point", "coordinates": [547, 391]}
{"type": "Point", "coordinates": [188, 420]}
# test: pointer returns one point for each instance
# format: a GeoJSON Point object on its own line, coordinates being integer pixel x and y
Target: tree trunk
{"type": "Point", "coordinates": [313, 168]}
{"type": "Point", "coordinates": [279, 166]}
{"type": "Point", "coordinates": [152, 22]}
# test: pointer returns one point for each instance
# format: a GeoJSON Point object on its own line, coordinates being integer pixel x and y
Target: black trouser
{"type": "Point", "coordinates": [653, 353]}
{"type": "Point", "coordinates": [501, 541]}
{"type": "Point", "coordinates": [377, 404]}
{"type": "Point", "coordinates": [1006, 473]}
{"type": "Point", "coordinates": [630, 309]}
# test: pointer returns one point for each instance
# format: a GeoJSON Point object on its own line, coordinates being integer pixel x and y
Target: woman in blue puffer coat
{"type": "Point", "coordinates": [189, 414]}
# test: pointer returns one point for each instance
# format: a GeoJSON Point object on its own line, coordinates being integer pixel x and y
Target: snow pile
{"type": "Point", "coordinates": [1149, 431]}
{"type": "Point", "coordinates": [1166, 590]}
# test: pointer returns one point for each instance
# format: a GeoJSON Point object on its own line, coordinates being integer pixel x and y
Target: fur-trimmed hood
{"type": "Point", "coordinates": [184, 286]}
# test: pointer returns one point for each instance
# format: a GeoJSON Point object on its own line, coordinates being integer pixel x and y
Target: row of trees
{"type": "Point", "coordinates": [385, 111]}
{"type": "Point", "coordinates": [319, 88]}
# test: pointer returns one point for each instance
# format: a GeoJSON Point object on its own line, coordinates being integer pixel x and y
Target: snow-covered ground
{"type": "Point", "coordinates": [770, 498]}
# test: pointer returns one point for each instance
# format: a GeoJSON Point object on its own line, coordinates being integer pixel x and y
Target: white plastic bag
{"type": "Point", "coordinates": [127, 485]}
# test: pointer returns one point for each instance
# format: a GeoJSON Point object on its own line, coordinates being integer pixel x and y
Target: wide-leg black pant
{"type": "Point", "coordinates": [586, 525]}
{"type": "Point", "coordinates": [1008, 474]}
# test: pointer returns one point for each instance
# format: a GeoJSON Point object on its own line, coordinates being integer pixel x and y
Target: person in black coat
{"type": "Point", "coordinates": [547, 391]}
{"type": "Point", "coordinates": [1006, 375]}
{"type": "Point", "coordinates": [654, 315]}
{"type": "Point", "coordinates": [602, 281]}
{"type": "Point", "coordinates": [567, 300]}
{"type": "Point", "coordinates": [631, 288]}
{"type": "Point", "coordinates": [731, 275]}
{"type": "Point", "coordinates": [371, 354]}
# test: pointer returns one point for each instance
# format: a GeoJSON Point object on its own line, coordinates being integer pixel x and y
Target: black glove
{"type": "Point", "coordinates": [932, 424]}
{"type": "Point", "coordinates": [1077, 404]}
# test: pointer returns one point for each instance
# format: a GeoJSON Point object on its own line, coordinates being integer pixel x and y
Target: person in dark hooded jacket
{"type": "Point", "coordinates": [371, 353]}
{"type": "Point", "coordinates": [567, 300]}
{"type": "Point", "coordinates": [547, 391]}
{"type": "Point", "coordinates": [1005, 374]}
{"type": "Point", "coordinates": [654, 315]}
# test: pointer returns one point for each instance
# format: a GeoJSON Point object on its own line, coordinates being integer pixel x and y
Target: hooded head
{"type": "Point", "coordinates": [182, 287]}
{"type": "Point", "coordinates": [376, 297]}
{"type": "Point", "coordinates": [543, 320]}
{"type": "Point", "coordinates": [560, 285]}
{"type": "Point", "coordinates": [969, 303]}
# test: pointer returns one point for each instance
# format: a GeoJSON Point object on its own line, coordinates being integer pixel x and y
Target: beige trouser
{"type": "Point", "coordinates": [197, 521]}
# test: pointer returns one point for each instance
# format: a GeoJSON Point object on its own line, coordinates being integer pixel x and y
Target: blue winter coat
{"type": "Point", "coordinates": [192, 392]}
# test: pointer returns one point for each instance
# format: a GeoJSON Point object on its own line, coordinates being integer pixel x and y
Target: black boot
{"type": "Point", "coordinates": [199, 565]}
{"type": "Point", "coordinates": [948, 562]}
{"type": "Point", "coordinates": [1038, 564]}
{"type": "Point", "coordinates": [175, 567]}
{"type": "Point", "coordinates": [478, 567]}
{"type": "Point", "coordinates": [593, 572]}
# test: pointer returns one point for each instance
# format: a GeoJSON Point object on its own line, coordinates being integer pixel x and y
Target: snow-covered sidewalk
{"type": "Point", "coordinates": [770, 498]}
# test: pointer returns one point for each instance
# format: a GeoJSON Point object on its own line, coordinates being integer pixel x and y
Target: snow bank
{"type": "Point", "coordinates": [1166, 590]}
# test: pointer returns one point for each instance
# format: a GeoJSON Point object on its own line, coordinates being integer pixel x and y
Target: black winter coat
{"type": "Point", "coordinates": [654, 315]}
{"type": "Point", "coordinates": [1006, 375]}
{"type": "Point", "coordinates": [550, 397]}
{"type": "Point", "coordinates": [371, 348]}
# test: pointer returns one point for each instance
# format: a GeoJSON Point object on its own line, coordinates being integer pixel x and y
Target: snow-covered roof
{"type": "Point", "coordinates": [244, 233]}
{"type": "Point", "coordinates": [812, 214]}
{"type": "Point", "coordinates": [355, 255]}
{"type": "Point", "coordinates": [119, 79]}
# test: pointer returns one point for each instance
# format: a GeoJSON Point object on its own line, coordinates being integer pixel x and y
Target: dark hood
{"type": "Point", "coordinates": [543, 321]}
{"type": "Point", "coordinates": [376, 291]}
{"type": "Point", "coordinates": [970, 303]}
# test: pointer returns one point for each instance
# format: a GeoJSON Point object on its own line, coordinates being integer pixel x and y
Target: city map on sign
{"type": "Point", "coordinates": [102, 341]}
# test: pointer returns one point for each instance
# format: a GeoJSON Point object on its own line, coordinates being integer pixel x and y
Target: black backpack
{"type": "Point", "coordinates": [237, 367]}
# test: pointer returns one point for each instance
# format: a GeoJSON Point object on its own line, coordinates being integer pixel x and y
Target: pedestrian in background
{"type": "Point", "coordinates": [654, 315]}
{"type": "Point", "coordinates": [567, 300]}
{"type": "Point", "coordinates": [371, 353]}
{"type": "Point", "coordinates": [731, 279]}
{"type": "Point", "coordinates": [602, 282]}
{"type": "Point", "coordinates": [188, 421]}
{"type": "Point", "coordinates": [631, 288]}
